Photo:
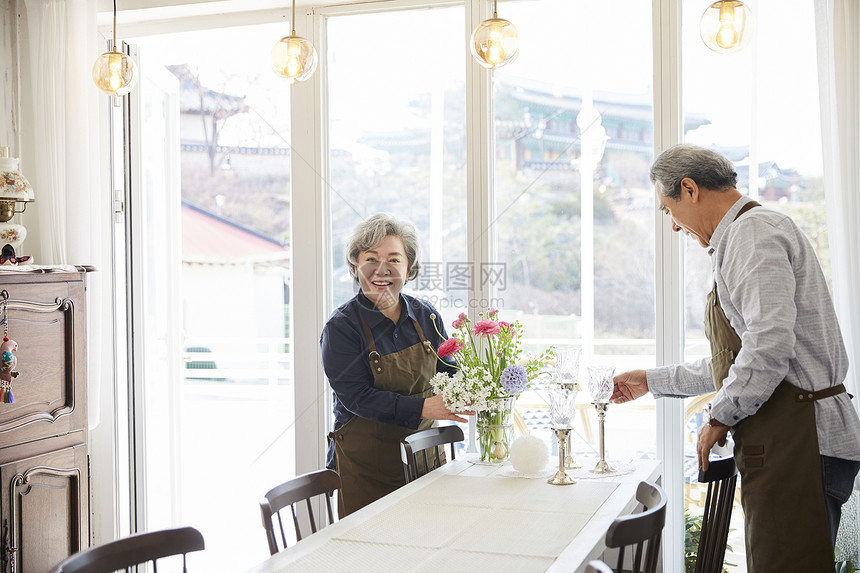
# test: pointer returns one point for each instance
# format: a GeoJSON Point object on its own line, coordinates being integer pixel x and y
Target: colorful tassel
{"type": "Point", "coordinates": [3, 394]}
{"type": "Point", "coordinates": [10, 398]}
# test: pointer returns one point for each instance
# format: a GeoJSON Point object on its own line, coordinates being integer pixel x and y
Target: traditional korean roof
{"type": "Point", "coordinates": [208, 238]}
{"type": "Point", "coordinates": [194, 98]}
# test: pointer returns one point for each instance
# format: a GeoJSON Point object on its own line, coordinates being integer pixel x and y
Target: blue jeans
{"type": "Point", "coordinates": [837, 476]}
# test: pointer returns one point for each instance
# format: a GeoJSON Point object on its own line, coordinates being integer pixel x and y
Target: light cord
{"type": "Point", "coordinates": [292, 21]}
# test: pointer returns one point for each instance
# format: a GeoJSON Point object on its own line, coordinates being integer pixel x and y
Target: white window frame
{"type": "Point", "coordinates": [310, 225]}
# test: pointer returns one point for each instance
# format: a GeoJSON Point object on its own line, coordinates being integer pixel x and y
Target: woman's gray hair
{"type": "Point", "coordinates": [707, 168]}
{"type": "Point", "coordinates": [373, 230]}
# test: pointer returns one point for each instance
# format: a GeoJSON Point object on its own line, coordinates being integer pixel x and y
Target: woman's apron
{"type": "Point", "coordinates": [368, 452]}
{"type": "Point", "coordinates": [776, 451]}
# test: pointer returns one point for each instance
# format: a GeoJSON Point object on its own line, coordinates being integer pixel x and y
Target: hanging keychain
{"type": "Point", "coordinates": [7, 358]}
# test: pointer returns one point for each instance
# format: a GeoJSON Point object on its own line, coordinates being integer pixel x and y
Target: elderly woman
{"type": "Point", "coordinates": [377, 355]}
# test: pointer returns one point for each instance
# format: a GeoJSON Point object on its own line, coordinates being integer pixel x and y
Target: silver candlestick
{"type": "Point", "coordinates": [562, 402]}
{"type": "Point", "coordinates": [600, 386]}
{"type": "Point", "coordinates": [567, 359]}
{"type": "Point", "coordinates": [569, 462]}
{"type": "Point", "coordinates": [561, 477]}
{"type": "Point", "coordinates": [602, 467]}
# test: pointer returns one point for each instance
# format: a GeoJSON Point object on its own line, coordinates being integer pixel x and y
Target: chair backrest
{"type": "Point", "coordinates": [722, 478]}
{"type": "Point", "coordinates": [134, 550]}
{"type": "Point", "coordinates": [304, 487]}
{"type": "Point", "coordinates": [414, 448]}
{"type": "Point", "coordinates": [640, 531]}
{"type": "Point", "coordinates": [597, 566]}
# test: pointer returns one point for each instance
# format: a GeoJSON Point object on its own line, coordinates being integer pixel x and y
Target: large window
{"type": "Point", "coordinates": [759, 107]}
{"type": "Point", "coordinates": [397, 140]}
{"type": "Point", "coordinates": [214, 410]}
{"type": "Point", "coordinates": [573, 207]}
{"type": "Point", "coordinates": [570, 213]}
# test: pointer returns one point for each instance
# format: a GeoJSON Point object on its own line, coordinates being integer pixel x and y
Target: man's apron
{"type": "Point", "coordinates": [368, 452]}
{"type": "Point", "coordinates": [776, 451]}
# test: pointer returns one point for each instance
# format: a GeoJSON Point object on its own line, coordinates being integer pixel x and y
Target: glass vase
{"type": "Point", "coordinates": [496, 430]}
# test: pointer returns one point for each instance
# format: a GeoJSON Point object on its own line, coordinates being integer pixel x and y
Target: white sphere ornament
{"type": "Point", "coordinates": [529, 455]}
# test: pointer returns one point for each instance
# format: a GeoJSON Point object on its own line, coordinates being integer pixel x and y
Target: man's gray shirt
{"type": "Point", "coordinates": [774, 294]}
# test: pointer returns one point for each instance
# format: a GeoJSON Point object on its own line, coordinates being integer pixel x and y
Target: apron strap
{"type": "Point", "coordinates": [373, 356]}
{"type": "Point", "coordinates": [427, 346]}
{"type": "Point", "coordinates": [806, 396]}
{"type": "Point", "coordinates": [743, 210]}
{"type": "Point", "coordinates": [746, 208]}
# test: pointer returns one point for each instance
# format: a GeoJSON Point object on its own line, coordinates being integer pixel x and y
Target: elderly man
{"type": "Point", "coordinates": [777, 363]}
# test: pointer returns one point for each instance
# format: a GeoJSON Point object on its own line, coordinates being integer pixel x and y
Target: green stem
{"type": "Point", "coordinates": [491, 359]}
{"type": "Point", "coordinates": [493, 432]}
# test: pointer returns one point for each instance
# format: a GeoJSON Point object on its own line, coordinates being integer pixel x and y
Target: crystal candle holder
{"type": "Point", "coordinates": [567, 361]}
{"type": "Point", "coordinates": [600, 385]}
{"type": "Point", "coordinates": [562, 400]}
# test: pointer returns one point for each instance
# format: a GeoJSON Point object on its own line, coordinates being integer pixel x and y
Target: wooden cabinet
{"type": "Point", "coordinates": [44, 478]}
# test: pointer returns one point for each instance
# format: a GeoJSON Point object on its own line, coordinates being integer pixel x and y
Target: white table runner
{"type": "Point", "coordinates": [470, 517]}
{"type": "Point", "coordinates": [517, 524]}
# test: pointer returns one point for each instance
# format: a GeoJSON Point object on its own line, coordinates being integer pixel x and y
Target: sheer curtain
{"type": "Point", "coordinates": [63, 166]}
{"type": "Point", "coordinates": [837, 22]}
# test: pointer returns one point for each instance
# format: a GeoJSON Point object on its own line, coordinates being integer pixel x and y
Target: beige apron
{"type": "Point", "coordinates": [776, 451]}
{"type": "Point", "coordinates": [368, 452]}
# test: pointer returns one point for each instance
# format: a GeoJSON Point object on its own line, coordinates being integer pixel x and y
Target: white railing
{"type": "Point", "coordinates": [238, 360]}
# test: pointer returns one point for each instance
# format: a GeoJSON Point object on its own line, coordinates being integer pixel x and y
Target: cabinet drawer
{"type": "Point", "coordinates": [44, 510]}
{"type": "Point", "coordinates": [47, 320]}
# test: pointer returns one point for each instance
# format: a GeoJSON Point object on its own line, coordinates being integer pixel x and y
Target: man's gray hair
{"type": "Point", "coordinates": [373, 230]}
{"type": "Point", "coordinates": [707, 168]}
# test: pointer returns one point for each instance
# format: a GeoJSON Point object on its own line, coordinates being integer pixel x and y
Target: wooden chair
{"type": "Point", "coordinates": [134, 550]}
{"type": "Point", "coordinates": [722, 478]}
{"type": "Point", "coordinates": [597, 566]}
{"type": "Point", "coordinates": [413, 449]}
{"type": "Point", "coordinates": [640, 531]}
{"type": "Point", "coordinates": [304, 487]}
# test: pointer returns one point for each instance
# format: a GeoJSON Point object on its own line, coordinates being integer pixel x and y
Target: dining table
{"type": "Point", "coordinates": [469, 515]}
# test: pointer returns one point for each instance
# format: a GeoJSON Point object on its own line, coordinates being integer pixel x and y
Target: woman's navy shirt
{"type": "Point", "coordinates": [345, 352]}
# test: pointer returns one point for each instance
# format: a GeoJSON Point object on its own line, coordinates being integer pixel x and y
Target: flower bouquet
{"type": "Point", "coordinates": [490, 376]}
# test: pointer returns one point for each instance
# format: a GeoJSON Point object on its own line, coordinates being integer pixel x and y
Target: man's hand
{"type": "Point", "coordinates": [629, 386]}
{"type": "Point", "coordinates": [435, 409]}
{"type": "Point", "coordinates": [710, 434]}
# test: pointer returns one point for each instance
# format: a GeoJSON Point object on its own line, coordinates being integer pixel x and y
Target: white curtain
{"type": "Point", "coordinates": [837, 27]}
{"type": "Point", "coordinates": [838, 37]}
{"type": "Point", "coordinates": [64, 163]}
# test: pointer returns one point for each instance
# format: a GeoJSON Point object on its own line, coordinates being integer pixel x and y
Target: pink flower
{"type": "Point", "coordinates": [492, 312]}
{"type": "Point", "coordinates": [486, 328]}
{"type": "Point", "coordinates": [457, 323]}
{"type": "Point", "coordinates": [505, 325]}
{"type": "Point", "coordinates": [462, 316]}
{"type": "Point", "coordinates": [449, 347]}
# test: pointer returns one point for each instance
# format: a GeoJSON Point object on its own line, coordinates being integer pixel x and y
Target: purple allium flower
{"type": "Point", "coordinates": [514, 379]}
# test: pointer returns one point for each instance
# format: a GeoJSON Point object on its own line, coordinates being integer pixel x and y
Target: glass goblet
{"type": "Point", "coordinates": [600, 383]}
{"type": "Point", "coordinates": [567, 364]}
{"type": "Point", "coordinates": [562, 408]}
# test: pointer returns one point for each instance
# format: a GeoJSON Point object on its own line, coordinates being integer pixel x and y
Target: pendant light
{"type": "Point", "coordinates": [294, 57]}
{"type": "Point", "coordinates": [114, 73]}
{"type": "Point", "coordinates": [726, 26]}
{"type": "Point", "coordinates": [495, 42]}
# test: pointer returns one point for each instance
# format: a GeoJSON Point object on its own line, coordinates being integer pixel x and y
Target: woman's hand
{"type": "Point", "coordinates": [629, 386]}
{"type": "Point", "coordinates": [435, 409]}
